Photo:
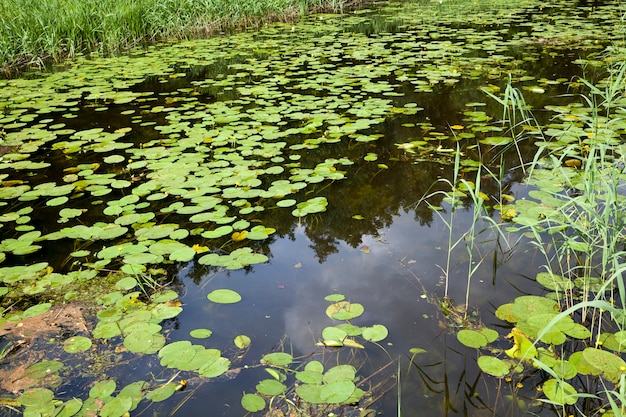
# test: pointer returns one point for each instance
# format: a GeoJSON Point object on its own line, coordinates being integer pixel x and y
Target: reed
{"type": "Point", "coordinates": [581, 231]}
{"type": "Point", "coordinates": [52, 30]}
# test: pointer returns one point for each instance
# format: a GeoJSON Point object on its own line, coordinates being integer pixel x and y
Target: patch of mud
{"type": "Point", "coordinates": [28, 342]}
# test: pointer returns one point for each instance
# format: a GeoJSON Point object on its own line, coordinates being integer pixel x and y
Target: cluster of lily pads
{"type": "Point", "coordinates": [539, 338]}
{"type": "Point", "coordinates": [334, 387]}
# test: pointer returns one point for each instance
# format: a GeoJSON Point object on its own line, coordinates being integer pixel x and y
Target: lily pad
{"type": "Point", "coordinates": [200, 333]}
{"type": "Point", "coordinates": [277, 359]}
{"type": "Point", "coordinates": [76, 344]}
{"type": "Point", "coordinates": [560, 392]}
{"type": "Point", "coordinates": [224, 296]}
{"type": "Point", "coordinates": [242, 341]}
{"type": "Point", "coordinates": [253, 402]}
{"type": "Point", "coordinates": [375, 333]}
{"type": "Point", "coordinates": [344, 310]}
{"type": "Point", "coordinates": [493, 366]}
{"type": "Point", "coordinates": [271, 387]}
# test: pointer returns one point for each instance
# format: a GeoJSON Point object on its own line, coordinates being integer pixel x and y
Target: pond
{"type": "Point", "coordinates": [255, 211]}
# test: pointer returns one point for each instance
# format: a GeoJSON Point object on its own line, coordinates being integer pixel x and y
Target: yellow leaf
{"type": "Point", "coordinates": [573, 163]}
{"type": "Point", "coordinates": [237, 236]}
{"type": "Point", "coordinates": [352, 343]}
{"type": "Point", "coordinates": [508, 214]}
{"type": "Point", "coordinates": [199, 249]}
{"type": "Point", "coordinates": [329, 343]}
{"type": "Point", "coordinates": [522, 346]}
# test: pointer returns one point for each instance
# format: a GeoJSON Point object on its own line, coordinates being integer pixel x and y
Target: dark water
{"type": "Point", "coordinates": [392, 261]}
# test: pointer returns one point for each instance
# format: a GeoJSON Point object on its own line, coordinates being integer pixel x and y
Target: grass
{"type": "Point", "coordinates": [35, 33]}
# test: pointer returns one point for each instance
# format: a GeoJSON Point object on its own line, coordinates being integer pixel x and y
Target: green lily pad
{"type": "Point", "coordinates": [57, 201]}
{"type": "Point", "coordinates": [102, 389]}
{"type": "Point", "coordinates": [200, 333]}
{"type": "Point", "coordinates": [334, 334]}
{"type": "Point", "coordinates": [116, 407]}
{"type": "Point", "coordinates": [560, 392]}
{"type": "Point", "coordinates": [310, 393]}
{"type": "Point", "coordinates": [270, 387]}
{"type": "Point", "coordinates": [472, 338]}
{"type": "Point", "coordinates": [70, 408]}
{"type": "Point", "coordinates": [126, 283]}
{"type": "Point", "coordinates": [36, 397]}
{"type": "Point", "coordinates": [344, 310]}
{"type": "Point", "coordinates": [253, 402]}
{"type": "Point", "coordinates": [36, 310]}
{"type": "Point", "coordinates": [610, 364]}
{"type": "Point", "coordinates": [340, 373]}
{"type": "Point", "coordinates": [76, 344]}
{"type": "Point", "coordinates": [310, 377]}
{"type": "Point", "coordinates": [224, 296]}
{"type": "Point", "coordinates": [277, 359]}
{"type": "Point", "coordinates": [162, 393]}
{"type": "Point", "coordinates": [493, 366]}
{"type": "Point", "coordinates": [337, 392]}
{"type": "Point", "coordinates": [242, 341]}
{"type": "Point", "coordinates": [215, 369]}
{"type": "Point", "coordinates": [376, 333]}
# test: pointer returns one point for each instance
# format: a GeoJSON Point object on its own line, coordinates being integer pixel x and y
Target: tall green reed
{"type": "Point", "coordinates": [578, 224]}
{"type": "Point", "coordinates": [462, 193]}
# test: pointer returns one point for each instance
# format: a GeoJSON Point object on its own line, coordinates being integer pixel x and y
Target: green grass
{"type": "Point", "coordinates": [36, 32]}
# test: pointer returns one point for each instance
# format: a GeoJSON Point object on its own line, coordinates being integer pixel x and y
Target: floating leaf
{"type": "Point", "coordinates": [333, 298]}
{"type": "Point", "coordinates": [116, 407]}
{"type": "Point", "coordinates": [344, 310]}
{"type": "Point", "coordinates": [224, 296]}
{"type": "Point", "coordinates": [472, 338]}
{"type": "Point", "coordinates": [310, 393]}
{"type": "Point", "coordinates": [612, 365]}
{"type": "Point", "coordinates": [36, 397]}
{"type": "Point", "coordinates": [337, 392]}
{"type": "Point", "coordinates": [334, 334]}
{"type": "Point", "coordinates": [270, 387]}
{"type": "Point", "coordinates": [493, 366]}
{"type": "Point", "coordinates": [114, 159]}
{"type": "Point", "coordinates": [340, 373]}
{"type": "Point", "coordinates": [215, 369]}
{"type": "Point", "coordinates": [76, 344]}
{"type": "Point", "coordinates": [242, 341]}
{"type": "Point", "coordinates": [102, 389]}
{"type": "Point", "coordinates": [162, 393]}
{"type": "Point", "coordinates": [376, 333]}
{"type": "Point", "coordinates": [70, 408]}
{"type": "Point", "coordinates": [200, 333]}
{"type": "Point", "coordinates": [277, 358]}
{"type": "Point", "coordinates": [36, 310]}
{"type": "Point", "coordinates": [560, 392]}
{"type": "Point", "coordinates": [126, 283]}
{"type": "Point", "coordinates": [57, 201]}
{"type": "Point", "coordinates": [310, 377]}
{"type": "Point", "coordinates": [253, 402]}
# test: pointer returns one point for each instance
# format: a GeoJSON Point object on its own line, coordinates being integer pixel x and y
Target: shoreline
{"type": "Point", "coordinates": [54, 37]}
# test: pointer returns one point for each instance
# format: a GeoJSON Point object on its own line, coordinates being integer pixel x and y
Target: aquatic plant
{"type": "Point", "coordinates": [199, 149]}
{"type": "Point", "coordinates": [575, 219]}
{"type": "Point", "coordinates": [35, 33]}
{"type": "Point", "coordinates": [318, 390]}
